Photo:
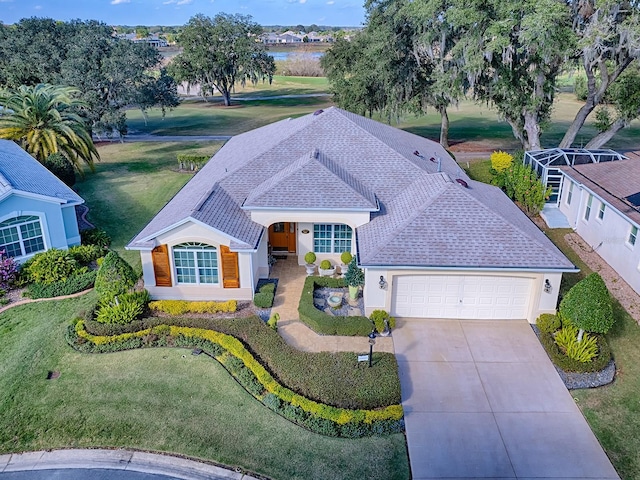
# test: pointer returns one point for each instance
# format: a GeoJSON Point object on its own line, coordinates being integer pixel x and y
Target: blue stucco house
{"type": "Point", "coordinates": [37, 210]}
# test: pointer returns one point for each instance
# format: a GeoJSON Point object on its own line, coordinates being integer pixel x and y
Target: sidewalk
{"type": "Point", "coordinates": [151, 463]}
{"type": "Point", "coordinates": [291, 278]}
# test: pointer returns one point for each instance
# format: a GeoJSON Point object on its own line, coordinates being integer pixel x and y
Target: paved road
{"type": "Point", "coordinates": [99, 464]}
{"type": "Point", "coordinates": [482, 400]}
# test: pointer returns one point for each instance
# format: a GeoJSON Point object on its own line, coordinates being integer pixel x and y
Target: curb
{"type": "Point", "coordinates": [144, 462]}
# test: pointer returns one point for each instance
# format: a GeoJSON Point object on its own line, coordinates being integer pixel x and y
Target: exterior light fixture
{"type": "Point", "coordinates": [372, 342]}
{"type": "Point", "coordinates": [382, 283]}
{"type": "Point", "coordinates": [547, 286]}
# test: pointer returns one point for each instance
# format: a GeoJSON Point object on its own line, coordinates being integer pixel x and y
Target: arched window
{"type": "Point", "coordinates": [20, 236]}
{"type": "Point", "coordinates": [195, 263]}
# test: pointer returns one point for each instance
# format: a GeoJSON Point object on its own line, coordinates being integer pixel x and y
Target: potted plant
{"type": "Point", "coordinates": [382, 322]}
{"type": "Point", "coordinates": [345, 258]}
{"type": "Point", "coordinates": [326, 269]}
{"type": "Point", "coordinates": [354, 278]}
{"type": "Point", "coordinates": [310, 259]}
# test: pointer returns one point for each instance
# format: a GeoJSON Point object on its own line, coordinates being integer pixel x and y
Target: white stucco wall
{"type": "Point", "coordinates": [260, 259]}
{"type": "Point", "coordinates": [541, 302]}
{"type": "Point", "coordinates": [191, 232]}
{"type": "Point", "coordinates": [608, 237]}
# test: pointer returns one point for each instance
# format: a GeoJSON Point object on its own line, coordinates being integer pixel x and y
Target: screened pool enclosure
{"type": "Point", "coordinates": [547, 162]}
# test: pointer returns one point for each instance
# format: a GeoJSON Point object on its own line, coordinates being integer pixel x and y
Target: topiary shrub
{"type": "Point", "coordinates": [355, 275]}
{"type": "Point", "coordinates": [379, 317]}
{"type": "Point", "coordinates": [548, 323]}
{"type": "Point", "coordinates": [500, 161]}
{"type": "Point", "coordinates": [61, 167]}
{"type": "Point", "coordinates": [115, 276]}
{"type": "Point", "coordinates": [268, 288]}
{"type": "Point", "coordinates": [95, 236]}
{"type": "Point", "coordinates": [263, 299]}
{"type": "Point", "coordinates": [325, 265]}
{"type": "Point", "coordinates": [51, 266]}
{"type": "Point", "coordinates": [587, 306]}
{"type": "Point", "coordinates": [346, 257]}
{"type": "Point", "coordinates": [310, 258]}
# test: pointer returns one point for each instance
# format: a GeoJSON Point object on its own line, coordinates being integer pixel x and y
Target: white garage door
{"type": "Point", "coordinates": [458, 296]}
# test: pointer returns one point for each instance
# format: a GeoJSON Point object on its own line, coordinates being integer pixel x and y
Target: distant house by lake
{"type": "Point", "coordinates": [153, 40]}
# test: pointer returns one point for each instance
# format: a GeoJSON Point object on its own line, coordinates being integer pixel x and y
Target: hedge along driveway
{"type": "Point", "coordinates": [158, 399]}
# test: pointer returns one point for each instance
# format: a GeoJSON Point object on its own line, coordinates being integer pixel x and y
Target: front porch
{"type": "Point", "coordinates": [291, 277]}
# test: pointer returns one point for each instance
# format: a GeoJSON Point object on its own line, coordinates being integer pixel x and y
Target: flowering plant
{"type": "Point", "coordinates": [8, 270]}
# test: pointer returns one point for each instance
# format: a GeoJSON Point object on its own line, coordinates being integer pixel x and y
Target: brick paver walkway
{"type": "Point", "coordinates": [291, 277]}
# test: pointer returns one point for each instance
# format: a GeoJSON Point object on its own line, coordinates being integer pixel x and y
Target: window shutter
{"type": "Point", "coordinates": [230, 273]}
{"type": "Point", "coordinates": [161, 266]}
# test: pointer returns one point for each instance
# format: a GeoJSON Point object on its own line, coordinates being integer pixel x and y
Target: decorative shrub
{"type": "Point", "coordinates": [115, 276]}
{"type": "Point", "coordinates": [588, 305]}
{"type": "Point", "coordinates": [263, 299]}
{"type": "Point", "coordinates": [268, 288]}
{"type": "Point", "coordinates": [355, 275]}
{"type": "Point", "coordinates": [95, 236]}
{"type": "Point", "coordinates": [123, 308]}
{"type": "Point", "coordinates": [500, 161]}
{"type": "Point", "coordinates": [180, 307]}
{"type": "Point", "coordinates": [229, 351]}
{"type": "Point", "coordinates": [325, 265]}
{"type": "Point", "coordinates": [191, 162]}
{"type": "Point", "coordinates": [378, 318]}
{"type": "Point", "coordinates": [521, 184]}
{"type": "Point", "coordinates": [61, 167]}
{"type": "Point", "coordinates": [8, 271]}
{"type": "Point", "coordinates": [51, 266]}
{"type": "Point", "coordinates": [548, 323]}
{"type": "Point", "coordinates": [310, 257]}
{"type": "Point", "coordinates": [273, 321]}
{"type": "Point", "coordinates": [568, 364]}
{"type": "Point", "coordinates": [346, 257]}
{"type": "Point", "coordinates": [325, 324]}
{"type": "Point", "coordinates": [85, 254]}
{"type": "Point", "coordinates": [582, 351]}
{"type": "Point", "coordinates": [71, 285]}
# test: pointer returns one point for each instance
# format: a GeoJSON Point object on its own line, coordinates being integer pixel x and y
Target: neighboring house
{"type": "Point", "coordinates": [432, 242]}
{"type": "Point", "coordinates": [37, 210]}
{"type": "Point", "coordinates": [601, 202]}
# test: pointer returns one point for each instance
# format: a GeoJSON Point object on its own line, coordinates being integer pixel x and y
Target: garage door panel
{"type": "Point", "coordinates": [459, 296]}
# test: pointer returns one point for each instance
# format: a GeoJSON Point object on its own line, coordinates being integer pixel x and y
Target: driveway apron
{"type": "Point", "coordinates": [482, 400]}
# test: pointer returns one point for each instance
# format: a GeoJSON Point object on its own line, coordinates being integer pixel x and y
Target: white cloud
{"type": "Point", "coordinates": [118, 2]}
{"type": "Point", "coordinates": [169, 2]}
{"type": "Point", "coordinates": [303, 1]}
{"type": "Point", "coordinates": [330, 2]}
{"type": "Point", "coordinates": [38, 7]}
{"type": "Point", "coordinates": [184, 2]}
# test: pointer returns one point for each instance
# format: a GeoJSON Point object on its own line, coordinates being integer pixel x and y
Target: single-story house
{"type": "Point", "coordinates": [37, 210]}
{"type": "Point", "coordinates": [601, 202]}
{"type": "Point", "coordinates": [432, 242]}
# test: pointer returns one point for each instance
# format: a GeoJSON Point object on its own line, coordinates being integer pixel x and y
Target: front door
{"type": "Point", "coordinates": [282, 237]}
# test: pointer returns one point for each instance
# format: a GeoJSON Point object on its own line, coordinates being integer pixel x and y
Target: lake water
{"type": "Point", "coordinates": [282, 56]}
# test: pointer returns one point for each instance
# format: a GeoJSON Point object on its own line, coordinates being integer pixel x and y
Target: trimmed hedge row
{"type": "Point", "coordinates": [180, 307]}
{"type": "Point", "coordinates": [74, 284]}
{"type": "Point", "coordinates": [325, 324]}
{"type": "Point", "coordinates": [570, 365]}
{"type": "Point", "coordinates": [332, 378]}
{"type": "Point", "coordinates": [231, 353]}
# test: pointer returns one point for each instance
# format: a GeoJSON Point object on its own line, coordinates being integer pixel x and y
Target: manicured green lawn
{"type": "Point", "coordinates": [131, 183]}
{"type": "Point", "coordinates": [158, 399]}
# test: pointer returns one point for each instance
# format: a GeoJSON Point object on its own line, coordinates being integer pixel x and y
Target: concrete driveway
{"type": "Point", "coordinates": [482, 400]}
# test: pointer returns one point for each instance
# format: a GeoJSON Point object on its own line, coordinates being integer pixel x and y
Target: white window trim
{"type": "Point", "coordinates": [601, 210]}
{"type": "Point", "coordinates": [332, 238]}
{"type": "Point", "coordinates": [635, 237]}
{"type": "Point", "coordinates": [43, 233]}
{"type": "Point", "coordinates": [587, 209]}
{"type": "Point", "coordinates": [180, 247]}
{"type": "Point", "coordinates": [569, 193]}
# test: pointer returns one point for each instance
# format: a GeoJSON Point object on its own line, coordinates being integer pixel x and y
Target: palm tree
{"type": "Point", "coordinates": [44, 119]}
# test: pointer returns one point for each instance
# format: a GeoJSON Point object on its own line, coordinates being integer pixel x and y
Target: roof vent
{"type": "Point", "coordinates": [315, 153]}
{"type": "Point", "coordinates": [462, 182]}
{"type": "Point", "coordinates": [317, 112]}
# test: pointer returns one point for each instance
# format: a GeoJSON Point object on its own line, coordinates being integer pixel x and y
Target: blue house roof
{"type": "Point", "coordinates": [22, 174]}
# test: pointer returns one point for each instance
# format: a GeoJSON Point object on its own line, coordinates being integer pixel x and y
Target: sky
{"type": "Point", "coordinates": [178, 12]}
